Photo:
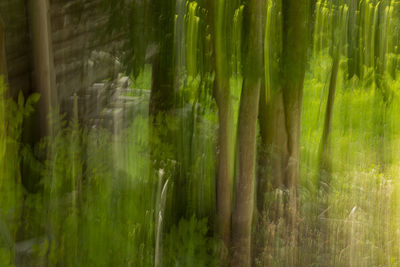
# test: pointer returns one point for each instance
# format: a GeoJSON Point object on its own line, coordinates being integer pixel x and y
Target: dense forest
{"type": "Point", "coordinates": [200, 133]}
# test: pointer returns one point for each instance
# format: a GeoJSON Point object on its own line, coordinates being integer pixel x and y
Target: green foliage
{"type": "Point", "coordinates": [12, 115]}
{"type": "Point", "coordinates": [192, 33]}
{"type": "Point", "coordinates": [132, 20]}
{"type": "Point", "coordinates": [187, 244]}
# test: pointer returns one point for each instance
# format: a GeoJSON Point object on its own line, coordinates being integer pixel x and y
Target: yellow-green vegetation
{"type": "Point", "coordinates": [238, 160]}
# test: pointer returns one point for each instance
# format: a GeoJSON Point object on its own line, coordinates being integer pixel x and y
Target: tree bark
{"type": "Point", "coordinates": [43, 63]}
{"type": "Point", "coordinates": [247, 135]}
{"type": "Point", "coordinates": [294, 52]}
{"type": "Point", "coordinates": [3, 58]}
{"type": "Point", "coordinates": [43, 77]}
{"type": "Point", "coordinates": [273, 147]}
{"type": "Point", "coordinates": [226, 137]}
{"type": "Point", "coordinates": [295, 34]}
{"type": "Point", "coordinates": [161, 106]}
{"type": "Point", "coordinates": [163, 66]}
{"type": "Point", "coordinates": [353, 37]}
{"type": "Point", "coordinates": [226, 156]}
{"type": "Point", "coordinates": [325, 164]}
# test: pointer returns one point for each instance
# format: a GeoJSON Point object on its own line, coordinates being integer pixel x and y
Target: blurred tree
{"type": "Point", "coordinates": [247, 134]}
{"type": "Point", "coordinates": [281, 106]}
{"type": "Point", "coordinates": [226, 139]}
{"type": "Point", "coordinates": [3, 59]}
{"type": "Point", "coordinates": [43, 64]}
{"type": "Point", "coordinates": [340, 18]}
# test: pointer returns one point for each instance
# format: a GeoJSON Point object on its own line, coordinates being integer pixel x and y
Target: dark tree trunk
{"type": "Point", "coordinates": [43, 83]}
{"type": "Point", "coordinates": [280, 121]}
{"type": "Point", "coordinates": [163, 149]}
{"type": "Point", "coordinates": [325, 163]}
{"type": "Point", "coordinates": [353, 35]}
{"type": "Point", "coordinates": [43, 64]}
{"type": "Point", "coordinates": [294, 52]}
{"type": "Point", "coordinates": [3, 59]}
{"type": "Point", "coordinates": [163, 66]}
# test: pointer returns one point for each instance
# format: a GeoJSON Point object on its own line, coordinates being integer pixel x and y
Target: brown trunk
{"type": "Point", "coordinates": [162, 84]}
{"type": "Point", "coordinates": [161, 106]}
{"type": "Point", "coordinates": [295, 32]}
{"type": "Point", "coordinates": [247, 135]}
{"type": "Point", "coordinates": [226, 146]}
{"type": "Point", "coordinates": [273, 147]}
{"type": "Point", "coordinates": [43, 63]}
{"type": "Point", "coordinates": [325, 168]}
{"type": "Point", "coordinates": [3, 59]}
{"type": "Point", "coordinates": [272, 164]}
{"type": "Point", "coordinates": [280, 121]}
{"type": "Point", "coordinates": [244, 197]}
{"type": "Point", "coordinates": [43, 77]}
{"type": "Point", "coordinates": [226, 136]}
{"type": "Point", "coordinates": [294, 51]}
{"type": "Point", "coordinates": [325, 164]}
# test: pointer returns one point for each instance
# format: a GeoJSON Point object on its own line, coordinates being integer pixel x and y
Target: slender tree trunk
{"type": "Point", "coordinates": [43, 79]}
{"type": "Point", "coordinates": [247, 135]}
{"type": "Point", "coordinates": [226, 147]}
{"type": "Point", "coordinates": [295, 33]}
{"type": "Point", "coordinates": [325, 168]}
{"type": "Point", "coordinates": [381, 45]}
{"type": "Point", "coordinates": [226, 137]}
{"type": "Point", "coordinates": [163, 66]}
{"type": "Point", "coordinates": [273, 147]}
{"type": "Point", "coordinates": [3, 58]}
{"type": "Point", "coordinates": [353, 34]}
{"type": "Point", "coordinates": [325, 164]}
{"type": "Point", "coordinates": [280, 121]}
{"type": "Point", "coordinates": [162, 102]}
{"type": "Point", "coordinates": [294, 52]}
{"type": "Point", "coordinates": [244, 197]}
{"type": "Point", "coordinates": [43, 63]}
{"type": "Point", "coordinates": [272, 157]}
{"type": "Point", "coordinates": [162, 85]}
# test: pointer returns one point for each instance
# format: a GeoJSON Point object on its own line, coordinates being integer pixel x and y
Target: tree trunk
{"type": "Point", "coordinates": [272, 156]}
{"type": "Point", "coordinates": [43, 63]}
{"type": "Point", "coordinates": [3, 58]}
{"type": "Point", "coordinates": [43, 79]}
{"type": "Point", "coordinates": [273, 148]}
{"type": "Point", "coordinates": [325, 164]}
{"type": "Point", "coordinates": [325, 168]}
{"type": "Point", "coordinates": [280, 120]}
{"type": "Point", "coordinates": [353, 35]}
{"type": "Point", "coordinates": [163, 66]}
{"type": "Point", "coordinates": [226, 156]}
{"type": "Point", "coordinates": [161, 106]}
{"type": "Point", "coordinates": [247, 135]}
{"type": "Point", "coordinates": [295, 33]}
{"type": "Point", "coordinates": [226, 137]}
{"type": "Point", "coordinates": [294, 52]}
{"type": "Point", "coordinates": [162, 84]}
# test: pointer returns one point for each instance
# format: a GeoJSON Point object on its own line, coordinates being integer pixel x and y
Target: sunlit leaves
{"type": "Point", "coordinates": [192, 34]}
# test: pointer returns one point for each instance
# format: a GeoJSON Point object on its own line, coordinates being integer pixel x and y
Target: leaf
{"type": "Point", "coordinates": [33, 98]}
{"type": "Point", "coordinates": [21, 100]}
{"type": "Point", "coordinates": [30, 103]}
